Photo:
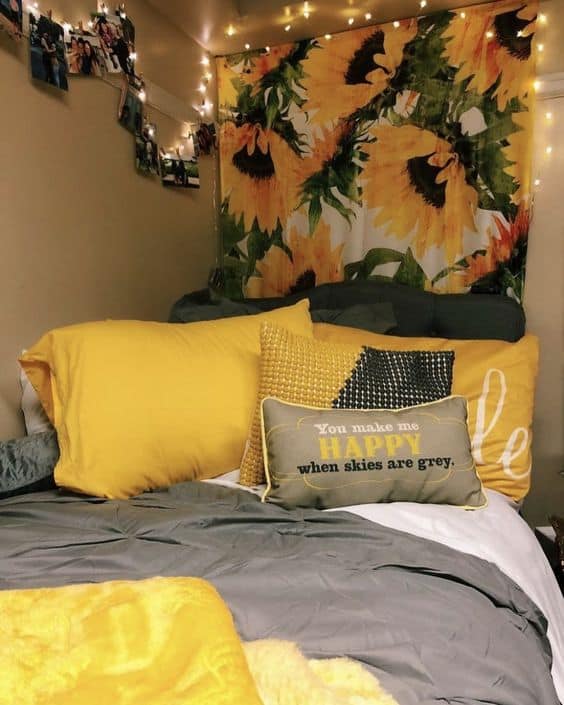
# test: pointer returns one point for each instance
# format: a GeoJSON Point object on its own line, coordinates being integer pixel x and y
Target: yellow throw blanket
{"type": "Point", "coordinates": [284, 676]}
{"type": "Point", "coordinates": [164, 641]}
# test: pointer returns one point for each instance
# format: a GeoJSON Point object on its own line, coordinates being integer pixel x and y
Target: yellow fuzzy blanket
{"type": "Point", "coordinates": [284, 676]}
{"type": "Point", "coordinates": [163, 641]}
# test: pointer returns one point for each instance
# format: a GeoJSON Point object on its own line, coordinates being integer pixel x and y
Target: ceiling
{"type": "Point", "coordinates": [262, 22]}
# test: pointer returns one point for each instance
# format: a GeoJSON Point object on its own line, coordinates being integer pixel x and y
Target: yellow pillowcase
{"type": "Point", "coordinates": [498, 379]}
{"type": "Point", "coordinates": [140, 405]}
{"type": "Point", "coordinates": [163, 641]}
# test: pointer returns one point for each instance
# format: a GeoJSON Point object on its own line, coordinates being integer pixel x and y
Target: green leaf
{"type": "Point", "coordinates": [230, 230]}
{"type": "Point", "coordinates": [314, 214]}
{"type": "Point", "coordinates": [377, 256]}
{"type": "Point", "coordinates": [410, 272]}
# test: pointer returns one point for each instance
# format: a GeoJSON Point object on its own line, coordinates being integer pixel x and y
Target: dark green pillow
{"type": "Point", "coordinates": [27, 464]}
{"type": "Point", "coordinates": [326, 458]}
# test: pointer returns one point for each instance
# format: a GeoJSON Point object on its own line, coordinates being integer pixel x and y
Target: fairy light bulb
{"type": "Point", "coordinates": [247, 46]}
{"type": "Point", "coordinates": [90, 24]}
{"type": "Point", "coordinates": [328, 36]}
{"type": "Point", "coordinates": [267, 50]}
{"type": "Point", "coordinates": [396, 24]}
{"type": "Point", "coordinates": [142, 95]}
{"type": "Point", "coordinates": [548, 150]}
{"type": "Point", "coordinates": [537, 85]}
{"type": "Point", "coordinates": [542, 18]}
{"type": "Point", "coordinates": [350, 21]}
{"type": "Point", "coordinates": [368, 16]}
{"type": "Point", "coordinates": [489, 34]}
{"type": "Point", "coordinates": [288, 27]}
{"type": "Point", "coordinates": [548, 116]}
{"type": "Point", "coordinates": [306, 10]}
{"type": "Point", "coordinates": [151, 132]}
{"type": "Point", "coordinates": [230, 30]}
{"type": "Point", "coordinates": [208, 76]}
{"type": "Point", "coordinates": [205, 61]}
{"type": "Point", "coordinates": [537, 182]}
{"type": "Point", "coordinates": [463, 15]}
{"type": "Point", "coordinates": [133, 56]}
{"type": "Point", "coordinates": [423, 4]}
{"type": "Point", "coordinates": [540, 48]}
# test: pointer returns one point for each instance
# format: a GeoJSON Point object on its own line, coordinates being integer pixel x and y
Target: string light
{"type": "Point", "coordinates": [202, 88]}
{"type": "Point", "coordinates": [288, 27]}
{"type": "Point", "coordinates": [306, 10]}
{"type": "Point", "coordinates": [328, 36]}
{"type": "Point", "coordinates": [230, 31]}
{"type": "Point", "coordinates": [396, 24]}
{"type": "Point", "coordinates": [537, 182]}
{"type": "Point", "coordinates": [548, 150]}
{"type": "Point", "coordinates": [208, 76]}
{"type": "Point", "coordinates": [540, 47]}
{"type": "Point", "coordinates": [542, 18]}
{"type": "Point", "coordinates": [267, 50]}
{"type": "Point", "coordinates": [247, 46]}
{"type": "Point", "coordinates": [423, 4]}
{"type": "Point", "coordinates": [142, 95]}
{"type": "Point", "coordinates": [133, 56]}
{"type": "Point", "coordinates": [489, 34]}
{"type": "Point", "coordinates": [537, 85]}
{"type": "Point", "coordinates": [463, 15]}
{"type": "Point", "coordinates": [351, 20]}
{"type": "Point", "coordinates": [368, 16]}
{"type": "Point", "coordinates": [205, 60]}
{"type": "Point", "coordinates": [548, 116]}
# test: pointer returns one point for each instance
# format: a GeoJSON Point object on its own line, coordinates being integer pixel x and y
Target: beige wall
{"type": "Point", "coordinates": [544, 289]}
{"type": "Point", "coordinates": [82, 235]}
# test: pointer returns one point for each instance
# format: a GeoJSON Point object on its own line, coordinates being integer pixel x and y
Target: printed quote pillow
{"type": "Point", "coordinates": [305, 371]}
{"type": "Point", "coordinates": [498, 380]}
{"type": "Point", "coordinates": [327, 458]}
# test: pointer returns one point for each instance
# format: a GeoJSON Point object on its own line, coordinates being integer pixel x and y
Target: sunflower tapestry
{"type": "Point", "coordinates": [400, 151]}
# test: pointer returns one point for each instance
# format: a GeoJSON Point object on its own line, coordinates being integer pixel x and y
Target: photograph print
{"type": "Point", "coordinates": [179, 167]}
{"type": "Point", "coordinates": [146, 150]}
{"type": "Point", "coordinates": [115, 41]}
{"type": "Point", "coordinates": [47, 50]}
{"type": "Point", "coordinates": [84, 54]}
{"type": "Point", "coordinates": [11, 17]}
{"type": "Point", "coordinates": [130, 110]}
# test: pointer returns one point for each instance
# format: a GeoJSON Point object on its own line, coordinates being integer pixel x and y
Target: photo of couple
{"type": "Point", "coordinates": [117, 42]}
{"type": "Point", "coordinates": [179, 171]}
{"type": "Point", "coordinates": [146, 150]}
{"type": "Point", "coordinates": [11, 17]}
{"type": "Point", "coordinates": [47, 49]}
{"type": "Point", "coordinates": [84, 54]}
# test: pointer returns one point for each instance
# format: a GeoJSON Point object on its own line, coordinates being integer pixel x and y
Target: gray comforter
{"type": "Point", "coordinates": [435, 625]}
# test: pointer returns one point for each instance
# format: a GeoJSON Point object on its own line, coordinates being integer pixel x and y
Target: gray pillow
{"type": "Point", "coordinates": [326, 458]}
{"type": "Point", "coordinates": [27, 464]}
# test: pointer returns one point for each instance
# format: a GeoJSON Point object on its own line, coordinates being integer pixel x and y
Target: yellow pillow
{"type": "Point", "coordinates": [498, 379]}
{"type": "Point", "coordinates": [162, 641]}
{"type": "Point", "coordinates": [139, 405]}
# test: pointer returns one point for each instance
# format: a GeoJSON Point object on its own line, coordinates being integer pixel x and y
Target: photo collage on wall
{"type": "Point", "coordinates": [102, 47]}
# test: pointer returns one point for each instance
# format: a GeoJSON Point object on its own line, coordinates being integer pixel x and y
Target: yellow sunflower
{"type": "Point", "coordinates": [248, 72]}
{"type": "Point", "coordinates": [257, 175]}
{"type": "Point", "coordinates": [350, 69]}
{"type": "Point", "coordinates": [519, 151]}
{"type": "Point", "coordinates": [494, 42]}
{"type": "Point", "coordinates": [313, 262]}
{"type": "Point", "coordinates": [418, 183]}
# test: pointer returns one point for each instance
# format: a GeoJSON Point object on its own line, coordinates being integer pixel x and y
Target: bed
{"type": "Point", "coordinates": [442, 605]}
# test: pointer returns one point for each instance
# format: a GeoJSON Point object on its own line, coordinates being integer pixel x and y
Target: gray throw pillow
{"type": "Point", "coordinates": [326, 458]}
{"type": "Point", "coordinates": [376, 318]}
{"type": "Point", "coordinates": [27, 464]}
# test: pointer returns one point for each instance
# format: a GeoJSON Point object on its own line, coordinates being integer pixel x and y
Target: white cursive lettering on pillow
{"type": "Point", "coordinates": [481, 432]}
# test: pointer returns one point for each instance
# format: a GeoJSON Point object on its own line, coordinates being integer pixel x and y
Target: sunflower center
{"type": "Point", "coordinates": [508, 27]}
{"type": "Point", "coordinates": [363, 62]}
{"type": "Point", "coordinates": [305, 281]}
{"type": "Point", "coordinates": [423, 178]}
{"type": "Point", "coordinates": [256, 165]}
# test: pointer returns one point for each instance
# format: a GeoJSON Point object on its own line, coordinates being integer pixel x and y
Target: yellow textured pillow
{"type": "Point", "coordinates": [163, 641]}
{"type": "Point", "coordinates": [139, 405]}
{"type": "Point", "coordinates": [498, 379]}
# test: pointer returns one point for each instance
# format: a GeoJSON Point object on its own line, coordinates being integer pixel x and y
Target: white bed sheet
{"type": "Point", "coordinates": [495, 533]}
